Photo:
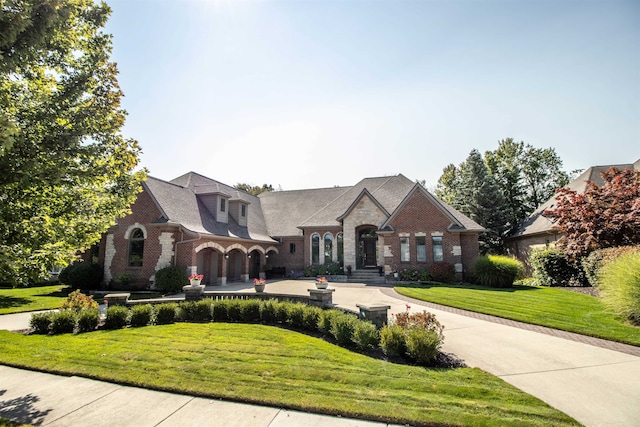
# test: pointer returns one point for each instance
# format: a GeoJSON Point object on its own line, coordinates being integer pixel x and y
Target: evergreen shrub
{"type": "Point", "coordinates": [422, 345]}
{"type": "Point", "coordinates": [619, 283]}
{"type": "Point", "coordinates": [268, 312]}
{"type": "Point", "coordinates": [166, 313]}
{"type": "Point", "coordinates": [295, 315]}
{"type": "Point", "coordinates": [324, 323]}
{"type": "Point", "coordinates": [250, 311]}
{"type": "Point", "coordinates": [141, 315]}
{"type": "Point", "coordinates": [88, 319]}
{"type": "Point", "coordinates": [202, 311]}
{"type": "Point", "coordinates": [82, 275]}
{"type": "Point", "coordinates": [496, 271]}
{"type": "Point", "coordinates": [219, 311]}
{"type": "Point", "coordinates": [393, 340]}
{"type": "Point", "coordinates": [41, 322]}
{"type": "Point", "coordinates": [551, 267]}
{"type": "Point", "coordinates": [282, 311]}
{"type": "Point", "coordinates": [342, 327]}
{"type": "Point", "coordinates": [171, 279]}
{"type": "Point", "coordinates": [234, 310]}
{"type": "Point", "coordinates": [365, 335]}
{"type": "Point", "coordinates": [592, 263]}
{"type": "Point", "coordinates": [311, 317]}
{"type": "Point", "coordinates": [117, 317]}
{"type": "Point", "coordinates": [63, 322]}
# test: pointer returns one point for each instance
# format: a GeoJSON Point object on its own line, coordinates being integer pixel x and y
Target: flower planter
{"type": "Point", "coordinates": [322, 285]}
{"type": "Point", "coordinates": [195, 282]}
{"type": "Point", "coordinates": [259, 287]}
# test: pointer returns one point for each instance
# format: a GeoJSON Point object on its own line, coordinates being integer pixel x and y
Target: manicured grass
{"type": "Point", "coordinates": [554, 308]}
{"type": "Point", "coordinates": [19, 300]}
{"type": "Point", "coordinates": [273, 366]}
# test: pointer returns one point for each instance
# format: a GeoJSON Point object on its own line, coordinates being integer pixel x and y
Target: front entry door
{"type": "Point", "coordinates": [367, 245]}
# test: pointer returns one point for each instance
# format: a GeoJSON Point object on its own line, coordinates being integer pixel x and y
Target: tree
{"type": "Point", "coordinates": [255, 190]}
{"type": "Point", "coordinates": [480, 199]}
{"type": "Point", "coordinates": [527, 177]}
{"type": "Point", "coordinates": [66, 172]}
{"type": "Point", "coordinates": [448, 185]}
{"type": "Point", "coordinates": [600, 217]}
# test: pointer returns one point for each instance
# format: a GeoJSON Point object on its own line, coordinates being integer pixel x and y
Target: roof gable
{"type": "Point", "coordinates": [364, 193]}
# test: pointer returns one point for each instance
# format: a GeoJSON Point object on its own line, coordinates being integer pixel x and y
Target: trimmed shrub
{"type": "Point", "coordinates": [41, 322]}
{"type": "Point", "coordinates": [82, 275]}
{"type": "Point", "coordinates": [171, 279]}
{"type": "Point", "coordinates": [295, 315]}
{"type": "Point", "coordinates": [365, 335]}
{"type": "Point", "coordinates": [393, 340]}
{"type": "Point", "coordinates": [282, 312]}
{"type": "Point", "coordinates": [88, 319]}
{"type": "Point", "coordinates": [234, 310]}
{"type": "Point", "coordinates": [250, 310]}
{"type": "Point", "coordinates": [166, 313]}
{"type": "Point", "coordinates": [326, 317]}
{"type": "Point", "coordinates": [496, 271]}
{"type": "Point", "coordinates": [141, 315]}
{"type": "Point", "coordinates": [268, 311]}
{"type": "Point", "coordinates": [422, 345]}
{"type": "Point", "coordinates": [552, 268]}
{"type": "Point", "coordinates": [63, 322]}
{"type": "Point", "coordinates": [442, 272]}
{"type": "Point", "coordinates": [619, 283]}
{"type": "Point", "coordinates": [117, 317]}
{"type": "Point", "coordinates": [342, 327]}
{"type": "Point", "coordinates": [202, 311]}
{"type": "Point", "coordinates": [219, 311]}
{"type": "Point", "coordinates": [311, 317]}
{"type": "Point", "coordinates": [77, 301]}
{"type": "Point", "coordinates": [185, 311]}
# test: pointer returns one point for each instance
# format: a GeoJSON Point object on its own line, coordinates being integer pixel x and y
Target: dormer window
{"type": "Point", "coordinates": [243, 211]}
{"type": "Point", "coordinates": [223, 205]}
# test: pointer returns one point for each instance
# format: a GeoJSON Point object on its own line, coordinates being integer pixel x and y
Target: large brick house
{"type": "Point", "coordinates": [229, 235]}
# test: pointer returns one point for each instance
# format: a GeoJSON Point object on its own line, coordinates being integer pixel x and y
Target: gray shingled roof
{"type": "Point", "coordinates": [178, 202]}
{"type": "Point", "coordinates": [323, 207]}
{"type": "Point", "coordinates": [538, 223]}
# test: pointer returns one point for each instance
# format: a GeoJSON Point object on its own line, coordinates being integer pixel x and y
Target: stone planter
{"type": "Point", "coordinates": [195, 282]}
{"type": "Point", "coordinates": [322, 285]}
{"type": "Point", "coordinates": [259, 287]}
{"type": "Point", "coordinates": [193, 293]}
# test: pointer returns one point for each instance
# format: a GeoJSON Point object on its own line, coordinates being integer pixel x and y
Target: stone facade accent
{"type": "Point", "coordinates": [366, 212]}
{"type": "Point", "coordinates": [109, 253]}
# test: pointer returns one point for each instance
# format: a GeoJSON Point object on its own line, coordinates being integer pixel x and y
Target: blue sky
{"type": "Point", "coordinates": [309, 93]}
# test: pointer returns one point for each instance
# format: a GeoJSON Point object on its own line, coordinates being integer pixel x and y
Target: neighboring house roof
{"type": "Point", "coordinates": [179, 204]}
{"type": "Point", "coordinates": [537, 223]}
{"type": "Point", "coordinates": [288, 212]}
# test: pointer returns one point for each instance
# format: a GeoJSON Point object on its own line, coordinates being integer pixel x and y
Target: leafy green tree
{"type": "Point", "coordinates": [255, 190]}
{"type": "Point", "coordinates": [479, 197]}
{"type": "Point", "coordinates": [602, 216]}
{"type": "Point", "coordinates": [448, 184]}
{"type": "Point", "coordinates": [542, 174]}
{"type": "Point", "coordinates": [66, 171]}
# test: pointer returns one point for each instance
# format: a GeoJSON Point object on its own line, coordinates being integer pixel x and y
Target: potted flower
{"type": "Point", "coordinates": [195, 279]}
{"type": "Point", "coordinates": [322, 282]}
{"type": "Point", "coordinates": [259, 284]}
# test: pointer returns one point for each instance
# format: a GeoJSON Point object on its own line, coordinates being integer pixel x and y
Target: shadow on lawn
{"type": "Point", "coordinates": [11, 302]}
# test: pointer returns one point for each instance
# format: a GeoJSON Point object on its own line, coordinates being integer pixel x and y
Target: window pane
{"type": "Point", "coordinates": [421, 248]}
{"type": "Point", "coordinates": [340, 239]}
{"type": "Point", "coordinates": [223, 205]}
{"type": "Point", "coordinates": [405, 254]}
{"type": "Point", "coordinates": [292, 248]}
{"type": "Point", "coordinates": [328, 248]}
{"type": "Point", "coordinates": [438, 254]}
{"type": "Point", "coordinates": [136, 248]}
{"type": "Point", "coordinates": [315, 249]}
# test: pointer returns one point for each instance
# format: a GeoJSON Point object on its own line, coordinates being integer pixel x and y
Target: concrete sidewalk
{"type": "Point", "coordinates": [597, 386]}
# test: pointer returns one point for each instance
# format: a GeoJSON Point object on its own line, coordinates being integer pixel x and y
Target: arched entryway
{"type": "Point", "coordinates": [254, 264]}
{"type": "Point", "coordinates": [234, 260]}
{"type": "Point", "coordinates": [367, 245]}
{"type": "Point", "coordinates": [208, 261]}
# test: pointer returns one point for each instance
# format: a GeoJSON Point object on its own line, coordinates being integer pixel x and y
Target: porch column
{"type": "Point", "coordinates": [244, 275]}
{"type": "Point", "coordinates": [224, 261]}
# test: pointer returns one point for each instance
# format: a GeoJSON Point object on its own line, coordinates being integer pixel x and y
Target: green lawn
{"type": "Point", "coordinates": [554, 308]}
{"type": "Point", "coordinates": [32, 299]}
{"type": "Point", "coordinates": [274, 366]}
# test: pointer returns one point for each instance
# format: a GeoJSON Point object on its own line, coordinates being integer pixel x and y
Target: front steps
{"type": "Point", "coordinates": [366, 276]}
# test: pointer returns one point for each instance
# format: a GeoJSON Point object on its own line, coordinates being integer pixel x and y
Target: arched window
{"type": "Point", "coordinates": [328, 248]}
{"type": "Point", "coordinates": [315, 249]}
{"type": "Point", "coordinates": [136, 247]}
{"type": "Point", "coordinates": [340, 241]}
